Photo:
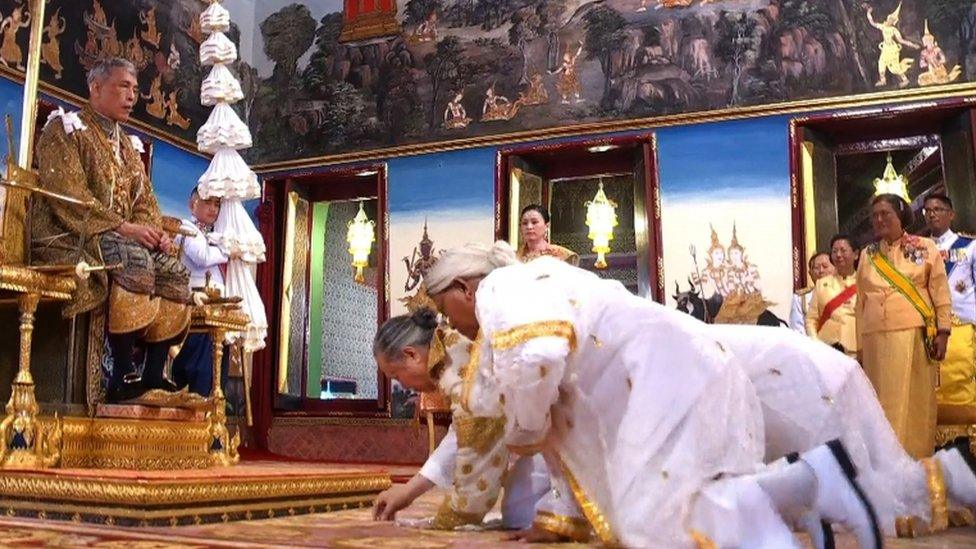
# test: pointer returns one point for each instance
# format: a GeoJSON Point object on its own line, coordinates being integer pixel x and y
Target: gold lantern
{"type": "Point", "coordinates": [361, 235]}
{"type": "Point", "coordinates": [601, 218]}
{"type": "Point", "coordinates": [892, 183]}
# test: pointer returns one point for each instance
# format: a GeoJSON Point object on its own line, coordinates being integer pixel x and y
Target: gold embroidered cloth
{"type": "Point", "coordinates": [98, 163]}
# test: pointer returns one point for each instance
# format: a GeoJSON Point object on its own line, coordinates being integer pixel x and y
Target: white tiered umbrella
{"type": "Point", "coordinates": [228, 176]}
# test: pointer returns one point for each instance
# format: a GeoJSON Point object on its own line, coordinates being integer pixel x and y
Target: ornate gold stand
{"type": "Point", "coordinates": [216, 318]}
{"type": "Point", "coordinates": [26, 444]}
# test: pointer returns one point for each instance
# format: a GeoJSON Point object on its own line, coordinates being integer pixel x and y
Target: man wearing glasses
{"type": "Point", "coordinates": [958, 379]}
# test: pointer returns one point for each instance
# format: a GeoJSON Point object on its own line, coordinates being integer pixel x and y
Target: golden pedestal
{"type": "Point", "coordinates": [216, 319]}
{"type": "Point", "coordinates": [26, 443]}
{"type": "Point", "coordinates": [171, 498]}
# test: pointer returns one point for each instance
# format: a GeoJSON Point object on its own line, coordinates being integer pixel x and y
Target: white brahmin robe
{"type": "Point", "coordinates": [472, 459]}
{"type": "Point", "coordinates": [637, 415]}
{"type": "Point", "coordinates": [811, 394]}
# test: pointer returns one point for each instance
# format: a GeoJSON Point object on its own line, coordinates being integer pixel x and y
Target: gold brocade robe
{"type": "Point", "coordinates": [559, 252]}
{"type": "Point", "coordinates": [841, 326]}
{"type": "Point", "coordinates": [482, 457]}
{"type": "Point", "coordinates": [82, 163]}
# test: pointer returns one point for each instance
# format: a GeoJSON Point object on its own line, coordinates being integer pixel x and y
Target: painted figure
{"type": "Point", "coordinates": [568, 83]}
{"type": "Point", "coordinates": [427, 30]}
{"type": "Point", "coordinates": [933, 60]}
{"type": "Point", "coordinates": [455, 117]}
{"type": "Point", "coordinates": [136, 53]}
{"type": "Point", "coordinates": [498, 107]}
{"type": "Point", "coordinates": [51, 48]}
{"type": "Point", "coordinates": [536, 94]}
{"type": "Point", "coordinates": [151, 35]}
{"type": "Point", "coordinates": [10, 53]}
{"type": "Point", "coordinates": [156, 105]}
{"type": "Point", "coordinates": [174, 118]}
{"type": "Point", "coordinates": [890, 59]}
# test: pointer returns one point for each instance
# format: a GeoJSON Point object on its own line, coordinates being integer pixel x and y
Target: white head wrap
{"type": "Point", "coordinates": [468, 261]}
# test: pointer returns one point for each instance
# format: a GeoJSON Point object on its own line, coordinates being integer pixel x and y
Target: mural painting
{"type": "Point", "coordinates": [160, 37]}
{"type": "Point", "coordinates": [725, 220]}
{"type": "Point", "coordinates": [469, 68]}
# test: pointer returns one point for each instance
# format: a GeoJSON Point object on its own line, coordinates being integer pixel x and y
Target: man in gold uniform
{"type": "Point", "coordinates": [86, 155]}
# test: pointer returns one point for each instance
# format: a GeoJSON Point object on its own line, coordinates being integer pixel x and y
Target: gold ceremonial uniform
{"type": "Point", "coordinates": [891, 332]}
{"type": "Point", "coordinates": [87, 156]}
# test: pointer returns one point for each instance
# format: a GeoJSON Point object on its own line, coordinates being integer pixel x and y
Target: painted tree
{"type": "Point", "coordinates": [327, 49]}
{"type": "Point", "coordinates": [604, 34]}
{"type": "Point", "coordinates": [417, 11]}
{"type": "Point", "coordinates": [738, 45]}
{"type": "Point", "coordinates": [287, 33]}
{"type": "Point", "coordinates": [530, 23]}
{"type": "Point", "coordinates": [443, 67]}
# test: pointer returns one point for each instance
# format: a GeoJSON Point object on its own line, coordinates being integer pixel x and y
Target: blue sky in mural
{"type": "Point", "coordinates": [453, 182]}
{"type": "Point", "coordinates": [11, 98]}
{"type": "Point", "coordinates": [725, 160]}
{"type": "Point", "coordinates": [174, 174]}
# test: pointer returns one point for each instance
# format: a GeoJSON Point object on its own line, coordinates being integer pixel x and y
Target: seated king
{"type": "Point", "coordinates": [86, 155]}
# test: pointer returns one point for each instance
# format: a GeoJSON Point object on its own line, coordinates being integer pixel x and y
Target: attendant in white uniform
{"type": "Point", "coordinates": [193, 367]}
{"type": "Point", "coordinates": [585, 374]}
{"type": "Point", "coordinates": [958, 371]}
{"type": "Point", "coordinates": [818, 267]}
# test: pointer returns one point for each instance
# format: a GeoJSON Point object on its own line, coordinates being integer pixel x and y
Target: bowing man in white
{"type": "Point", "coordinates": [653, 426]}
{"type": "Point", "coordinates": [819, 266]}
{"type": "Point", "coordinates": [958, 371]}
{"type": "Point", "coordinates": [193, 367]}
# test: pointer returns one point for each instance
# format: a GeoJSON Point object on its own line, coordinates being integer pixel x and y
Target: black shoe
{"type": "Point", "coordinates": [125, 392]}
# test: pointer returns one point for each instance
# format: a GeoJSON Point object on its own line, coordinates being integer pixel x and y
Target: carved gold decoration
{"type": "Point", "coordinates": [26, 280]}
{"type": "Point", "coordinates": [223, 448]}
{"type": "Point", "coordinates": [51, 49]}
{"type": "Point", "coordinates": [125, 499]}
{"type": "Point", "coordinates": [166, 399]}
{"type": "Point", "coordinates": [217, 319]}
{"type": "Point", "coordinates": [25, 443]}
{"type": "Point", "coordinates": [108, 443]}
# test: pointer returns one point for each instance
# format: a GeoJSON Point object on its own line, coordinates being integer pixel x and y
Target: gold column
{"type": "Point", "coordinates": [26, 444]}
{"type": "Point", "coordinates": [223, 448]}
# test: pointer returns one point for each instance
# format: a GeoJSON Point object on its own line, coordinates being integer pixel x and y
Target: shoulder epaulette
{"type": "Point", "coordinates": [69, 120]}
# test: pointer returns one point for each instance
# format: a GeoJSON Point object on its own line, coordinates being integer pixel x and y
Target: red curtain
{"type": "Point", "coordinates": [262, 378]}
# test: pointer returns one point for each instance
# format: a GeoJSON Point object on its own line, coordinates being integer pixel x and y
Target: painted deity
{"type": "Point", "coordinates": [151, 35]}
{"type": "Point", "coordinates": [10, 52]}
{"type": "Point", "coordinates": [174, 118]}
{"type": "Point", "coordinates": [497, 107]}
{"type": "Point", "coordinates": [51, 47]}
{"type": "Point", "coordinates": [742, 276]}
{"type": "Point", "coordinates": [455, 117]}
{"type": "Point", "coordinates": [568, 84]}
{"type": "Point", "coordinates": [715, 272]}
{"type": "Point", "coordinates": [933, 60]}
{"type": "Point", "coordinates": [536, 94]}
{"type": "Point", "coordinates": [890, 59]}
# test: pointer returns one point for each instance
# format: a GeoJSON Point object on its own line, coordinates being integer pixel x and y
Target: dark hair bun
{"type": "Point", "coordinates": [425, 318]}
